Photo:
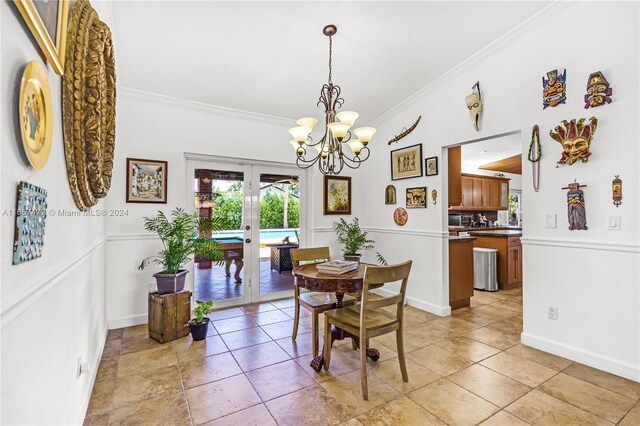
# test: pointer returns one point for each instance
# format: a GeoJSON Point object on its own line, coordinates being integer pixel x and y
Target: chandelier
{"type": "Point", "coordinates": [330, 151]}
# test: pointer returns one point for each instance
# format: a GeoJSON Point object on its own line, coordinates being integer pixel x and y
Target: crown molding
{"type": "Point", "coordinates": [201, 106]}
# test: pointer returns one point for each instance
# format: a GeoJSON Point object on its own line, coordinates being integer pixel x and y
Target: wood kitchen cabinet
{"type": "Point", "coordinates": [514, 265]}
{"type": "Point", "coordinates": [455, 176]}
{"type": "Point", "coordinates": [460, 272]}
{"type": "Point", "coordinates": [484, 193]}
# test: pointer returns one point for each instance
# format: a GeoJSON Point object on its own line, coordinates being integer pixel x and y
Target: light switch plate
{"type": "Point", "coordinates": [551, 221]}
{"type": "Point", "coordinates": [614, 223]}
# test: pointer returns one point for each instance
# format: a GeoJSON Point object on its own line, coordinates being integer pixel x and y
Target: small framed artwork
{"type": "Point", "coordinates": [417, 198]}
{"type": "Point", "coordinates": [390, 195]}
{"type": "Point", "coordinates": [431, 166]}
{"type": "Point", "coordinates": [146, 181]}
{"type": "Point", "coordinates": [406, 162]}
{"type": "Point", "coordinates": [47, 21]}
{"type": "Point", "coordinates": [337, 195]}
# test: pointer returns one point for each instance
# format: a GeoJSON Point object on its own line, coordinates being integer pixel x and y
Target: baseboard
{"type": "Point", "coordinates": [592, 359]}
{"type": "Point", "coordinates": [442, 311]}
{"type": "Point", "coordinates": [93, 370]}
{"type": "Point", "coordinates": [128, 321]}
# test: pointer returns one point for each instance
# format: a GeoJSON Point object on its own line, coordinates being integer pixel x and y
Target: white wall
{"type": "Point", "coordinates": [53, 308]}
{"type": "Point", "coordinates": [591, 276]}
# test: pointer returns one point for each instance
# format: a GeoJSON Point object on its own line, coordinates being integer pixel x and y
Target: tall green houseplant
{"type": "Point", "coordinates": [353, 240]}
{"type": "Point", "coordinates": [178, 236]}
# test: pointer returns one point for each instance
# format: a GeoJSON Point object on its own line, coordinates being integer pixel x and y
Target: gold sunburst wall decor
{"type": "Point", "coordinates": [36, 114]}
{"type": "Point", "coordinates": [88, 105]}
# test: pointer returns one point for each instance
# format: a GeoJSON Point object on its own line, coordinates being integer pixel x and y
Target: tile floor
{"type": "Point", "coordinates": [463, 370]}
{"type": "Point", "coordinates": [212, 284]}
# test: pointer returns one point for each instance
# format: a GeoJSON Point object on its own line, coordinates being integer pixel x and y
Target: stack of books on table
{"type": "Point", "coordinates": [337, 267]}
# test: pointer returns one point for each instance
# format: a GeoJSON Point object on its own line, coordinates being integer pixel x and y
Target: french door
{"type": "Point", "coordinates": [261, 208]}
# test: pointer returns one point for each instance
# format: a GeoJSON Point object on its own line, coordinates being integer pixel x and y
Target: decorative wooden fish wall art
{"type": "Point", "coordinates": [405, 132]}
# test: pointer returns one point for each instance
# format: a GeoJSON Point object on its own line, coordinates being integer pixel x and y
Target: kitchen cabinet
{"type": "Point", "coordinates": [460, 271]}
{"type": "Point", "coordinates": [467, 192]}
{"type": "Point", "coordinates": [455, 175]}
{"type": "Point", "coordinates": [483, 193]}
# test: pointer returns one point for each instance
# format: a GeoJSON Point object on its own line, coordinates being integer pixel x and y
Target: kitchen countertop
{"type": "Point", "coordinates": [456, 239]}
{"type": "Point", "coordinates": [478, 228]}
{"type": "Point", "coordinates": [498, 233]}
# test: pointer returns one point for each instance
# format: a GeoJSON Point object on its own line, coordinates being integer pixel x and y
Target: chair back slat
{"type": "Point", "coordinates": [386, 301]}
{"type": "Point", "coordinates": [309, 255]}
{"type": "Point", "coordinates": [383, 275]}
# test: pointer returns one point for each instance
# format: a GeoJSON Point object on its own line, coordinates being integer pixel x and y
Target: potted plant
{"type": "Point", "coordinates": [353, 240]}
{"type": "Point", "coordinates": [178, 237]}
{"type": "Point", "coordinates": [200, 323]}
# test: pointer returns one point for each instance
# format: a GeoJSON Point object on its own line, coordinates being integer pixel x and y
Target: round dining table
{"type": "Point", "coordinates": [308, 276]}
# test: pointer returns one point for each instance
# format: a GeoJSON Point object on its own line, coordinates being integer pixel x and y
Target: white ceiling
{"type": "Point", "coordinates": [271, 57]}
{"type": "Point", "coordinates": [477, 154]}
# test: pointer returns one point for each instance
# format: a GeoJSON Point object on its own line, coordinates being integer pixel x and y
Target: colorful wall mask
{"type": "Point", "coordinates": [30, 218]}
{"type": "Point", "coordinates": [554, 89]}
{"type": "Point", "coordinates": [576, 212]}
{"type": "Point", "coordinates": [474, 103]}
{"type": "Point", "coordinates": [575, 139]}
{"type": "Point", "coordinates": [598, 91]}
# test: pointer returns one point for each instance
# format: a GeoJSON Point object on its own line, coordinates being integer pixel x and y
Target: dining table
{"type": "Point", "coordinates": [309, 277]}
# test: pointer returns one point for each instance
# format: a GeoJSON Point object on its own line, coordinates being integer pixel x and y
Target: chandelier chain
{"type": "Point", "coordinates": [330, 52]}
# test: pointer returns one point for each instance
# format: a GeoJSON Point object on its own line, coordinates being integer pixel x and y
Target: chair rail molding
{"type": "Point", "coordinates": [586, 245]}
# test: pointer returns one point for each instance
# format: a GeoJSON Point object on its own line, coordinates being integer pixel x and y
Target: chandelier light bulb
{"type": "Point", "coordinates": [356, 146]}
{"type": "Point", "coordinates": [309, 122]}
{"type": "Point", "coordinates": [339, 130]}
{"type": "Point", "coordinates": [348, 117]}
{"type": "Point", "coordinates": [364, 134]}
{"type": "Point", "coordinates": [300, 133]}
{"type": "Point", "coordinates": [296, 145]}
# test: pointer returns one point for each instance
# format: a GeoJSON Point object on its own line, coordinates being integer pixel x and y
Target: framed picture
{"type": "Point", "coordinates": [406, 162]}
{"type": "Point", "coordinates": [146, 181]}
{"type": "Point", "coordinates": [431, 166]}
{"type": "Point", "coordinates": [337, 195]}
{"type": "Point", "coordinates": [47, 21]}
{"type": "Point", "coordinates": [417, 198]}
{"type": "Point", "coordinates": [390, 195]}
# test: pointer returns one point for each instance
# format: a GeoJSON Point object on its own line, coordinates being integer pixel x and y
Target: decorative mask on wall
{"type": "Point", "coordinates": [598, 91]}
{"type": "Point", "coordinates": [88, 105]}
{"type": "Point", "coordinates": [575, 139]}
{"type": "Point", "coordinates": [554, 88]}
{"type": "Point", "coordinates": [576, 212]}
{"type": "Point", "coordinates": [474, 103]}
{"type": "Point", "coordinates": [434, 196]}
{"type": "Point", "coordinates": [30, 219]}
{"type": "Point", "coordinates": [390, 195]}
{"type": "Point", "coordinates": [616, 189]}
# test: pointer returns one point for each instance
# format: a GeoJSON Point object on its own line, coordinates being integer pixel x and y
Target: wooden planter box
{"type": "Point", "coordinates": [169, 315]}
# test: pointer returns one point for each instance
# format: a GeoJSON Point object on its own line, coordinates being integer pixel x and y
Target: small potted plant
{"type": "Point", "coordinates": [180, 243]}
{"type": "Point", "coordinates": [200, 323]}
{"type": "Point", "coordinates": [353, 240]}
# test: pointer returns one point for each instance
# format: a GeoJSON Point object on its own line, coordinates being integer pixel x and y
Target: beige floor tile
{"type": "Point", "coordinates": [269, 317]}
{"type": "Point", "coordinates": [280, 330]}
{"type": "Point", "coordinates": [258, 415]}
{"type": "Point", "coordinates": [292, 313]}
{"type": "Point", "coordinates": [503, 418]}
{"type": "Point", "coordinates": [389, 371]}
{"type": "Point", "coordinates": [112, 349]}
{"type": "Point", "coordinates": [115, 334]}
{"type": "Point", "coordinates": [218, 399]}
{"type": "Point", "coordinates": [138, 343]}
{"type": "Point", "coordinates": [411, 321]}
{"type": "Point", "coordinates": [470, 315]}
{"type": "Point", "coordinates": [209, 369]}
{"type": "Point", "coordinates": [309, 407]}
{"type": "Point", "coordinates": [149, 360]}
{"type": "Point", "coordinates": [452, 404]}
{"type": "Point", "coordinates": [486, 298]}
{"type": "Point", "coordinates": [233, 324]}
{"type": "Point", "coordinates": [299, 347]}
{"type": "Point", "coordinates": [438, 360]}
{"type": "Point", "coordinates": [169, 409]}
{"type": "Point", "coordinates": [606, 380]}
{"type": "Point", "coordinates": [389, 342]}
{"type": "Point", "coordinates": [594, 399]}
{"type": "Point", "coordinates": [632, 418]}
{"type": "Point", "coordinates": [259, 356]}
{"type": "Point", "coordinates": [107, 370]}
{"type": "Point", "coordinates": [509, 305]}
{"type": "Point", "coordinates": [188, 350]}
{"type": "Point", "coordinates": [341, 363]}
{"type": "Point", "coordinates": [353, 422]}
{"type": "Point", "coordinates": [280, 379]}
{"type": "Point", "coordinates": [257, 307]}
{"type": "Point", "coordinates": [495, 311]}
{"type": "Point", "coordinates": [496, 338]}
{"type": "Point", "coordinates": [100, 420]}
{"type": "Point", "coordinates": [420, 314]}
{"type": "Point", "coordinates": [226, 313]}
{"type": "Point", "coordinates": [494, 387]}
{"type": "Point", "coordinates": [136, 330]}
{"type": "Point", "coordinates": [543, 358]}
{"type": "Point", "coordinates": [468, 348]}
{"type": "Point", "coordinates": [538, 408]}
{"type": "Point", "coordinates": [284, 303]}
{"type": "Point", "coordinates": [455, 325]}
{"type": "Point", "coordinates": [511, 325]}
{"type": "Point", "coordinates": [244, 338]}
{"type": "Point", "coordinates": [348, 391]}
{"type": "Point", "coordinates": [422, 335]}
{"type": "Point", "coordinates": [135, 388]}
{"type": "Point", "coordinates": [101, 398]}
{"type": "Point", "coordinates": [399, 412]}
{"type": "Point", "coordinates": [522, 370]}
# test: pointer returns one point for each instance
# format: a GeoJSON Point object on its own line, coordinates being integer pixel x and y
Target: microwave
{"type": "Point", "coordinates": [455, 219]}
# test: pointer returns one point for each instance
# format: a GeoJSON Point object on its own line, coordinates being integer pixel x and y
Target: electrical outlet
{"type": "Point", "coordinates": [82, 367]}
{"type": "Point", "coordinates": [551, 221]}
{"type": "Point", "coordinates": [553, 312]}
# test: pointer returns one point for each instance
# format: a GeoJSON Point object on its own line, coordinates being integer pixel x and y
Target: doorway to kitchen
{"type": "Point", "coordinates": [258, 209]}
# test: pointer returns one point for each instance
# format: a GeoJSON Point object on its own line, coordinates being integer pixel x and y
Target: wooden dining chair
{"type": "Point", "coordinates": [314, 302]}
{"type": "Point", "coordinates": [367, 320]}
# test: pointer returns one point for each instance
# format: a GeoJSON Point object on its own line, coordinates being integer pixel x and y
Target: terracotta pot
{"type": "Point", "coordinates": [170, 283]}
{"type": "Point", "coordinates": [199, 330]}
{"type": "Point", "coordinates": [353, 257]}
